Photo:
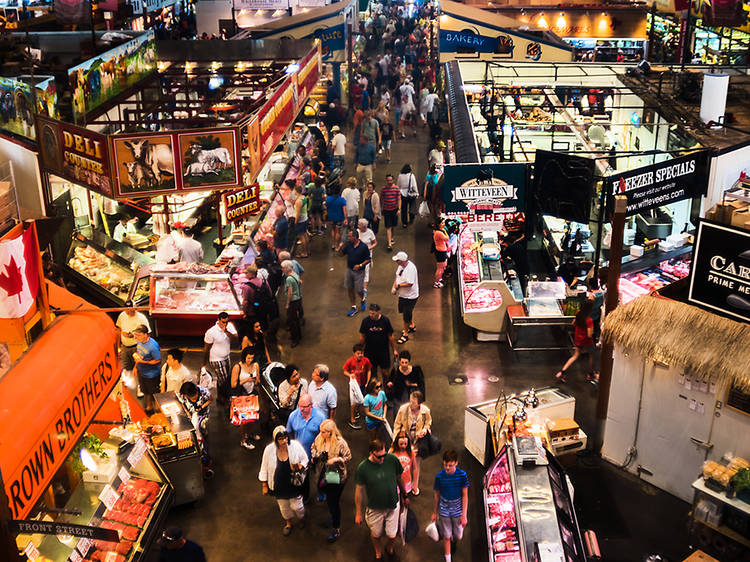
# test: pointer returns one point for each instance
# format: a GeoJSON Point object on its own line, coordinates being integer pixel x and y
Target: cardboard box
{"type": "Point", "coordinates": [700, 556]}
{"type": "Point", "coordinates": [740, 217]}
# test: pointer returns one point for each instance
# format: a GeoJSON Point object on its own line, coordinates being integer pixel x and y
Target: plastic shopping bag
{"type": "Point", "coordinates": [388, 429]}
{"type": "Point", "coordinates": [432, 531]}
{"type": "Point", "coordinates": [206, 380]}
{"type": "Point", "coordinates": [424, 209]}
{"type": "Point", "coordinates": [355, 393]}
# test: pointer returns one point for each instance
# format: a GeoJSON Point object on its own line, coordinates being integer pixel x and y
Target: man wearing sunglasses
{"type": "Point", "coordinates": [379, 476]}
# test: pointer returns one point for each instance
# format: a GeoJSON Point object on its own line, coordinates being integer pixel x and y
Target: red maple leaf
{"type": "Point", "coordinates": [12, 280]}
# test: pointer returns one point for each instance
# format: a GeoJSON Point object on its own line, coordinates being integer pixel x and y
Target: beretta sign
{"type": "Point", "coordinates": [720, 273]}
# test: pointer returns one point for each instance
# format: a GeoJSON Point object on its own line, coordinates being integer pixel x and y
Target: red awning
{"type": "Point", "coordinates": [49, 396]}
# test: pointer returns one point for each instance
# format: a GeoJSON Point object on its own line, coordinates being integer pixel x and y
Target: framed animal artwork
{"type": "Point", "coordinates": [209, 159]}
{"type": "Point", "coordinates": [144, 164]}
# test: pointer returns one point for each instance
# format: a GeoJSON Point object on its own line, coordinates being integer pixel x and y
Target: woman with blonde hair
{"type": "Point", "coordinates": [331, 453]}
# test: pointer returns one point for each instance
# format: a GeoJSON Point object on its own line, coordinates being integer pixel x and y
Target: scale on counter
{"type": "Point", "coordinates": [529, 450]}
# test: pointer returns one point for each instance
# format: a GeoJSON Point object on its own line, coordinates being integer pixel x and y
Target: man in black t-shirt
{"type": "Point", "coordinates": [176, 548]}
{"type": "Point", "coordinates": [376, 334]}
{"type": "Point", "coordinates": [357, 258]}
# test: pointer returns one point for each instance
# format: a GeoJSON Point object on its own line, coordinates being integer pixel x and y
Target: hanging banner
{"type": "Point", "coordinates": [102, 78]}
{"type": "Point", "coordinates": [149, 164]}
{"type": "Point", "coordinates": [720, 270]}
{"type": "Point", "coordinates": [661, 184]}
{"type": "Point", "coordinates": [19, 274]}
{"type": "Point", "coordinates": [241, 203]}
{"type": "Point", "coordinates": [494, 188]}
{"type": "Point", "coordinates": [16, 109]}
{"type": "Point", "coordinates": [75, 153]}
{"type": "Point", "coordinates": [253, 147]}
{"type": "Point", "coordinates": [276, 116]}
{"type": "Point", "coordinates": [307, 75]}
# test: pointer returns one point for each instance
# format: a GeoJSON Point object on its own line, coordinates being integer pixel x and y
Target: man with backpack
{"type": "Point", "coordinates": [256, 299]}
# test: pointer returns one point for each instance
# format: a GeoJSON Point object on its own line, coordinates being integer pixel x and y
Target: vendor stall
{"type": "Point", "coordinates": [79, 484]}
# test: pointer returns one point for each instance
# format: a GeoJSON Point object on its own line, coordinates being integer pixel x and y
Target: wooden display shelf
{"type": "Point", "coordinates": [726, 531]}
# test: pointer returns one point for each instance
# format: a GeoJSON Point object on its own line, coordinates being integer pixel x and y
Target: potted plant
{"type": "Point", "coordinates": [94, 446]}
{"type": "Point", "coordinates": [740, 484]}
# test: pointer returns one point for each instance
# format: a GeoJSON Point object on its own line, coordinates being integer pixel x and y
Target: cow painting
{"type": "Point", "coordinates": [145, 164]}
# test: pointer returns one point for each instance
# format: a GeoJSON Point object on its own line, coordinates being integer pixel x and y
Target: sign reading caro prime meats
{"type": "Point", "coordinates": [720, 272]}
{"type": "Point", "coordinates": [661, 184]}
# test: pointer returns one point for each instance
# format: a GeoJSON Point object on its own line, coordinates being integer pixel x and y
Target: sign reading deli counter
{"type": "Point", "coordinates": [720, 274]}
{"type": "Point", "coordinates": [50, 398]}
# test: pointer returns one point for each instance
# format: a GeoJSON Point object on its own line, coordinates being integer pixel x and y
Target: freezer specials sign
{"type": "Point", "coordinates": [720, 272]}
{"type": "Point", "coordinates": [25, 483]}
{"type": "Point", "coordinates": [661, 184]}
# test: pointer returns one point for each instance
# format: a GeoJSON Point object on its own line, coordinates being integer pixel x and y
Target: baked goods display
{"type": "Point", "coordinates": [717, 475]}
{"type": "Point", "coordinates": [501, 514]}
{"type": "Point", "coordinates": [102, 270]}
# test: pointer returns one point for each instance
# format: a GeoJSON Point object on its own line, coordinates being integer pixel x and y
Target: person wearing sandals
{"type": "Point", "coordinates": [331, 451]}
{"type": "Point", "coordinates": [280, 458]}
{"type": "Point", "coordinates": [406, 286]}
{"type": "Point", "coordinates": [245, 377]}
{"type": "Point", "coordinates": [415, 420]}
{"type": "Point", "coordinates": [583, 339]}
{"type": "Point", "coordinates": [440, 249]}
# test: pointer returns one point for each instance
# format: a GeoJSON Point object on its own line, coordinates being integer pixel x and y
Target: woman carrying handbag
{"type": "Point", "coordinates": [331, 452]}
{"type": "Point", "coordinates": [407, 184]}
{"type": "Point", "coordinates": [414, 418]}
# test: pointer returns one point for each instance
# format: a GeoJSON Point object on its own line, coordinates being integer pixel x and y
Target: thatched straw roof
{"type": "Point", "coordinates": [679, 334]}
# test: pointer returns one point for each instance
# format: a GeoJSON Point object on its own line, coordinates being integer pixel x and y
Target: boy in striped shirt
{"type": "Point", "coordinates": [451, 501]}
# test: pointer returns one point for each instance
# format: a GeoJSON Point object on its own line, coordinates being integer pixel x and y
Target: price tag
{"type": "Point", "coordinates": [137, 453]}
{"type": "Point", "coordinates": [31, 551]}
{"type": "Point", "coordinates": [84, 545]}
{"type": "Point", "coordinates": [80, 237]}
{"type": "Point", "coordinates": [109, 253]}
{"type": "Point", "coordinates": [692, 404]}
{"type": "Point", "coordinates": [688, 384]}
{"type": "Point", "coordinates": [704, 386]}
{"type": "Point", "coordinates": [124, 475]}
{"type": "Point", "coordinates": [681, 380]}
{"type": "Point", "coordinates": [712, 387]}
{"type": "Point", "coordinates": [109, 497]}
{"type": "Point", "coordinates": [75, 557]}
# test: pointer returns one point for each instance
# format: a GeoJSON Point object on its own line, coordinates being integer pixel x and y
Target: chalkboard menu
{"type": "Point", "coordinates": [739, 400]}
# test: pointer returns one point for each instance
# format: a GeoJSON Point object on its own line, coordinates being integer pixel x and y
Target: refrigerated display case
{"type": "Point", "coordinates": [544, 320]}
{"type": "Point", "coordinates": [635, 282]}
{"type": "Point", "coordinates": [183, 303]}
{"type": "Point", "coordinates": [529, 512]}
{"type": "Point", "coordinates": [264, 226]}
{"type": "Point", "coordinates": [113, 271]}
{"type": "Point", "coordinates": [133, 501]}
{"type": "Point", "coordinates": [484, 290]}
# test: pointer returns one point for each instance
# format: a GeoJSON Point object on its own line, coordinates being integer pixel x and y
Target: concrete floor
{"type": "Point", "coordinates": [235, 522]}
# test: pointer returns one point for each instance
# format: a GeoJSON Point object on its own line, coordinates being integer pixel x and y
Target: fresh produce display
{"type": "Point", "coordinates": [102, 270]}
{"type": "Point", "coordinates": [718, 475]}
{"type": "Point", "coordinates": [501, 514]}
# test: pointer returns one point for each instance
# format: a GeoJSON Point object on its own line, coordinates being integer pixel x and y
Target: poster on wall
{"type": "Point", "coordinates": [74, 153]}
{"type": "Point", "coordinates": [111, 73]}
{"type": "Point", "coordinates": [209, 159]}
{"type": "Point", "coordinates": [16, 108]}
{"type": "Point", "coordinates": [720, 270]}
{"type": "Point", "coordinates": [276, 116]}
{"type": "Point", "coordinates": [483, 193]}
{"type": "Point", "coordinates": [144, 164]}
{"type": "Point", "coordinates": [661, 184]}
{"type": "Point", "coordinates": [46, 98]}
{"type": "Point", "coordinates": [563, 185]}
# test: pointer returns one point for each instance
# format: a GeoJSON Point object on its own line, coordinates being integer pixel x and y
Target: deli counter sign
{"type": "Point", "coordinates": [75, 153]}
{"type": "Point", "coordinates": [241, 203]}
{"type": "Point", "coordinates": [720, 273]}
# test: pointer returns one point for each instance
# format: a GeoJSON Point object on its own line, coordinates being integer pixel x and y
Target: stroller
{"type": "Point", "coordinates": [270, 379]}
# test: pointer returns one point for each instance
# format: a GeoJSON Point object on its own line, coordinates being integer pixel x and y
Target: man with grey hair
{"type": "Point", "coordinates": [293, 290]}
{"type": "Point", "coordinates": [357, 258]}
{"type": "Point", "coordinates": [367, 237]}
{"type": "Point", "coordinates": [322, 392]}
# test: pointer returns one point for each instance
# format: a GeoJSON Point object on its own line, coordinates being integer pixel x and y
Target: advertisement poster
{"type": "Point", "coordinates": [111, 73]}
{"type": "Point", "coordinates": [276, 116]}
{"type": "Point", "coordinates": [660, 184]}
{"type": "Point", "coordinates": [75, 153]}
{"type": "Point", "coordinates": [16, 108]}
{"type": "Point", "coordinates": [333, 42]}
{"type": "Point", "coordinates": [144, 164]}
{"type": "Point", "coordinates": [720, 271]}
{"type": "Point", "coordinates": [46, 98]}
{"type": "Point", "coordinates": [484, 188]}
{"type": "Point", "coordinates": [209, 159]}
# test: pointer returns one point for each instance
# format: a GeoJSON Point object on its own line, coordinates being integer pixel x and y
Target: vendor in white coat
{"type": "Point", "coordinates": [280, 459]}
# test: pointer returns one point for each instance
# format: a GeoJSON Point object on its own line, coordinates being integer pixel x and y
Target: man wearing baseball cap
{"type": "Point", "coordinates": [338, 144]}
{"type": "Point", "coordinates": [176, 548]}
{"type": "Point", "coordinates": [406, 286]}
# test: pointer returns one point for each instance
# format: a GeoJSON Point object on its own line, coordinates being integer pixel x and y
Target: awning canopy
{"type": "Point", "coordinates": [678, 334]}
{"type": "Point", "coordinates": [50, 395]}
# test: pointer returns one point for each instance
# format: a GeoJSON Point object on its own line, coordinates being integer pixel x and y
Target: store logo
{"type": "Point", "coordinates": [485, 188]}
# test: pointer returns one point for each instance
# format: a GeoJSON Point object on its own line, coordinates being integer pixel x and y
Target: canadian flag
{"type": "Point", "coordinates": [19, 274]}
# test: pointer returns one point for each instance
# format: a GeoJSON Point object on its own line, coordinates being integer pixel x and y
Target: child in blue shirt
{"type": "Point", "coordinates": [374, 405]}
{"type": "Point", "coordinates": [451, 501]}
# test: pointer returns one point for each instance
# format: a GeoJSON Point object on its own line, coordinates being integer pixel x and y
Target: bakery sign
{"type": "Point", "coordinates": [75, 153]}
{"type": "Point", "coordinates": [241, 203]}
{"type": "Point", "coordinates": [720, 270]}
{"type": "Point", "coordinates": [484, 187]}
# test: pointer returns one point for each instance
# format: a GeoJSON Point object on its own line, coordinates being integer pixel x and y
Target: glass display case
{"type": "Point", "coordinates": [129, 493]}
{"type": "Point", "coordinates": [113, 271]}
{"type": "Point", "coordinates": [264, 227]}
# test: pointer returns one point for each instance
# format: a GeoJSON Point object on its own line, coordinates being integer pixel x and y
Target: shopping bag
{"type": "Point", "coordinates": [407, 525]}
{"type": "Point", "coordinates": [388, 429]}
{"type": "Point", "coordinates": [424, 209]}
{"type": "Point", "coordinates": [432, 531]}
{"type": "Point", "coordinates": [206, 380]}
{"type": "Point", "coordinates": [355, 393]}
{"type": "Point", "coordinates": [244, 409]}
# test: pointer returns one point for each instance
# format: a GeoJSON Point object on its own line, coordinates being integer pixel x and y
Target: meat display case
{"type": "Point", "coordinates": [529, 513]}
{"type": "Point", "coordinates": [485, 294]}
{"type": "Point", "coordinates": [134, 502]}
{"type": "Point", "coordinates": [183, 303]}
{"type": "Point", "coordinates": [112, 271]}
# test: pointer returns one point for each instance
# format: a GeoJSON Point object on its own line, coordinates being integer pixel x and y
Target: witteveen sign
{"type": "Point", "coordinates": [661, 184]}
{"type": "Point", "coordinates": [720, 272]}
{"type": "Point", "coordinates": [489, 187]}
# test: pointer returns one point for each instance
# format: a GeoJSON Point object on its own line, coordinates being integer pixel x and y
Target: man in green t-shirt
{"type": "Point", "coordinates": [379, 476]}
{"type": "Point", "coordinates": [293, 291]}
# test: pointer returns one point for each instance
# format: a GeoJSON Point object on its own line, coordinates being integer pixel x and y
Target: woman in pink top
{"type": "Point", "coordinates": [402, 449]}
{"type": "Point", "coordinates": [440, 249]}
